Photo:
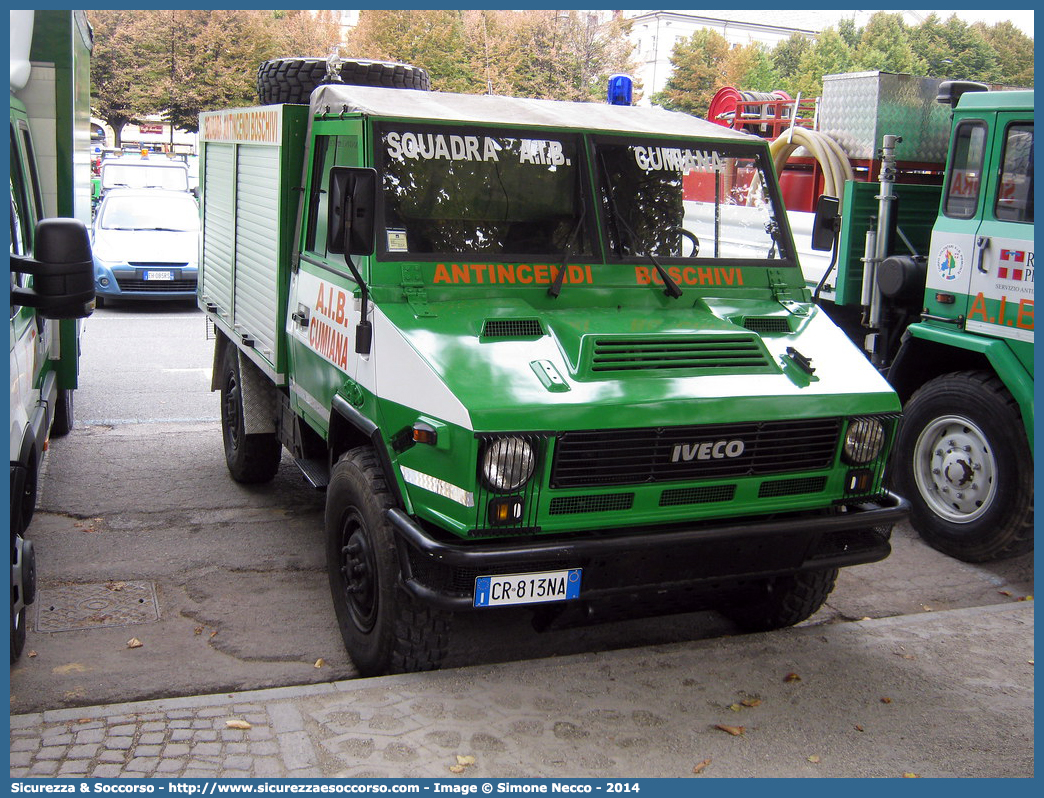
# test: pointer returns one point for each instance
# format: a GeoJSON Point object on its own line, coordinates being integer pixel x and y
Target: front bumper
{"type": "Point", "coordinates": [686, 558]}
{"type": "Point", "coordinates": [129, 282]}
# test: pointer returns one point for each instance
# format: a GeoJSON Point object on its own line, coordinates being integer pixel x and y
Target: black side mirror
{"type": "Point", "coordinates": [825, 225]}
{"type": "Point", "coordinates": [62, 271]}
{"type": "Point", "coordinates": [352, 208]}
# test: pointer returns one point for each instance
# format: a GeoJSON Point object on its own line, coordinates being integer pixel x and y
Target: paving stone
{"type": "Point", "coordinates": [106, 771]}
{"type": "Point", "coordinates": [88, 751]}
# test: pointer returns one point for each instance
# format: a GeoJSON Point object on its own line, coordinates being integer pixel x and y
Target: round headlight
{"type": "Point", "coordinates": [508, 464]}
{"type": "Point", "coordinates": [863, 440]}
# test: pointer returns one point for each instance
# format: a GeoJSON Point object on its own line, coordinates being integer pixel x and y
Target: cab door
{"type": "Point", "coordinates": [323, 306]}
{"type": "Point", "coordinates": [956, 248]}
{"type": "Point", "coordinates": [28, 331]}
{"type": "Point", "coordinates": [1001, 287]}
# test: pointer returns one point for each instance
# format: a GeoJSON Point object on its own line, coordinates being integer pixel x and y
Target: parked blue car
{"type": "Point", "coordinates": [146, 245]}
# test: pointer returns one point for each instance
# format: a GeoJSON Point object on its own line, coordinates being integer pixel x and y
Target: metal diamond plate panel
{"type": "Point", "coordinates": [70, 607]}
{"type": "Point", "coordinates": [857, 110]}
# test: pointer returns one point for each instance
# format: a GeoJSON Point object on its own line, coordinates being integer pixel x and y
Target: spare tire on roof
{"type": "Point", "coordinates": [291, 80]}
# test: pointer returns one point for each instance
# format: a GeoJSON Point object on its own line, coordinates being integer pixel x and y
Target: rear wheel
{"type": "Point", "coordinates": [384, 629]}
{"type": "Point", "coordinates": [784, 601]}
{"type": "Point", "coordinates": [963, 462]}
{"type": "Point", "coordinates": [63, 414]}
{"type": "Point", "coordinates": [250, 458]}
{"type": "Point", "coordinates": [292, 80]}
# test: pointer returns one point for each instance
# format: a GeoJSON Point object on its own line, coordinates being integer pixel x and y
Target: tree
{"type": "Point", "coordinates": [750, 68]}
{"type": "Point", "coordinates": [830, 55]}
{"type": "Point", "coordinates": [885, 45]}
{"type": "Point", "coordinates": [699, 71]}
{"type": "Point", "coordinates": [311, 34]}
{"type": "Point", "coordinates": [126, 66]}
{"type": "Point", "coordinates": [213, 61]}
{"type": "Point", "coordinates": [786, 57]}
{"type": "Point", "coordinates": [432, 39]}
{"type": "Point", "coordinates": [1013, 50]}
{"type": "Point", "coordinates": [953, 50]}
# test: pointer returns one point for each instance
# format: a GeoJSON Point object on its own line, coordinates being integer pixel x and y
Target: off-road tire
{"type": "Point", "coordinates": [292, 80]}
{"type": "Point", "coordinates": [63, 414]}
{"type": "Point", "coordinates": [251, 459]}
{"type": "Point", "coordinates": [384, 629]}
{"type": "Point", "coordinates": [784, 601]}
{"type": "Point", "coordinates": [990, 516]}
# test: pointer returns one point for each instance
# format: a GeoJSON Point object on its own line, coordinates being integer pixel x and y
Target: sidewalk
{"type": "Point", "coordinates": [936, 695]}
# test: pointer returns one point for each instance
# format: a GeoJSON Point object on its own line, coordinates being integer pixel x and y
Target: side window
{"type": "Point", "coordinates": [965, 178]}
{"type": "Point", "coordinates": [34, 180]}
{"type": "Point", "coordinates": [330, 151]}
{"type": "Point", "coordinates": [21, 218]}
{"type": "Point", "coordinates": [1015, 191]}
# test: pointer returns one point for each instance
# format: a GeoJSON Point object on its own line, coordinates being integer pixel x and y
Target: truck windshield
{"type": "Point", "coordinates": [474, 190]}
{"type": "Point", "coordinates": [687, 201]}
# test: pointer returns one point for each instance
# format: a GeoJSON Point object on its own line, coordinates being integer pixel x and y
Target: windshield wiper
{"type": "Point", "coordinates": [556, 287]}
{"type": "Point", "coordinates": [671, 288]}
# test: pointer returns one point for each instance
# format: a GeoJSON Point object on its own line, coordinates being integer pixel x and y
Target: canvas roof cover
{"type": "Point", "coordinates": [493, 109]}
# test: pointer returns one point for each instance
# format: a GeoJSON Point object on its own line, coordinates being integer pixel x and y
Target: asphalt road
{"type": "Point", "coordinates": [141, 535]}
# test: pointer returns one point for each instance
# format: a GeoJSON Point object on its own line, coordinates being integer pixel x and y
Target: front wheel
{"type": "Point", "coordinates": [784, 601]}
{"type": "Point", "coordinates": [963, 462]}
{"type": "Point", "coordinates": [383, 628]}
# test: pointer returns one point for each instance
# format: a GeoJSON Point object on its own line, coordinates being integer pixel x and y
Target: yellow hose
{"type": "Point", "coordinates": [828, 154]}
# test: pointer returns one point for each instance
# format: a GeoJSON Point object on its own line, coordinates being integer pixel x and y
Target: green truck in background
{"type": "Point", "coordinates": [540, 354]}
{"type": "Point", "coordinates": [932, 271]}
{"type": "Point", "coordinates": [52, 275]}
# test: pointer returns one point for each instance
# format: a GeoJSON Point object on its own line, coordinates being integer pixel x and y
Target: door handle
{"type": "Point", "coordinates": [302, 316]}
{"type": "Point", "coordinates": [982, 243]}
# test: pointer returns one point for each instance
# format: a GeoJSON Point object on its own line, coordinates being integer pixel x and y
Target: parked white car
{"type": "Point", "coordinates": [146, 245]}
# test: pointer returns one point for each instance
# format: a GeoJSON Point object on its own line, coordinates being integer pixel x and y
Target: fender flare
{"type": "Point", "coordinates": [349, 428]}
{"type": "Point", "coordinates": [927, 345]}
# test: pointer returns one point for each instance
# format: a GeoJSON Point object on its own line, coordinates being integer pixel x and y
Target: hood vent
{"type": "Point", "coordinates": [709, 353]}
{"type": "Point", "coordinates": [766, 325]}
{"type": "Point", "coordinates": [512, 328]}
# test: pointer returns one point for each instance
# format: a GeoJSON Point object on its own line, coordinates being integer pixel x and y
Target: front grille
{"type": "Point", "coordinates": [676, 497]}
{"type": "Point", "coordinates": [601, 503]}
{"type": "Point", "coordinates": [791, 487]}
{"type": "Point", "coordinates": [715, 451]}
{"type": "Point", "coordinates": [132, 284]}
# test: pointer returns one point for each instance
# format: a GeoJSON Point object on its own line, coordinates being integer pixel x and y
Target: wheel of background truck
{"type": "Point", "coordinates": [28, 497]}
{"type": "Point", "coordinates": [17, 634]}
{"type": "Point", "coordinates": [963, 462]}
{"type": "Point", "coordinates": [63, 414]}
{"type": "Point", "coordinates": [384, 629]}
{"type": "Point", "coordinates": [784, 601]}
{"type": "Point", "coordinates": [250, 458]}
{"type": "Point", "coordinates": [291, 80]}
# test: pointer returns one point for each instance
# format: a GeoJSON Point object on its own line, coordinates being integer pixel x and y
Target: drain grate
{"type": "Point", "coordinates": [71, 607]}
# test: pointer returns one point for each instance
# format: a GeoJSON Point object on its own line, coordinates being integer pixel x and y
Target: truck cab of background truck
{"type": "Point", "coordinates": [948, 304]}
{"type": "Point", "coordinates": [52, 277]}
{"type": "Point", "coordinates": [539, 353]}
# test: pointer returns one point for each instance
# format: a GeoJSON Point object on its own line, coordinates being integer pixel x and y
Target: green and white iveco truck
{"type": "Point", "coordinates": [52, 276]}
{"type": "Point", "coordinates": [549, 354]}
{"type": "Point", "coordinates": [934, 273]}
